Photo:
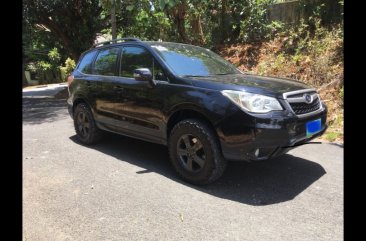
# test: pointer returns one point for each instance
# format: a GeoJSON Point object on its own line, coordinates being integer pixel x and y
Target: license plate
{"type": "Point", "coordinates": [313, 127]}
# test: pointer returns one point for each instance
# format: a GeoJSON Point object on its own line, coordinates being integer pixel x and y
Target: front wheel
{"type": "Point", "coordinates": [195, 152]}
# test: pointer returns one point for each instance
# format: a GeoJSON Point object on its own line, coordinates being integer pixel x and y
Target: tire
{"type": "Point", "coordinates": [195, 152]}
{"type": "Point", "coordinates": [84, 124]}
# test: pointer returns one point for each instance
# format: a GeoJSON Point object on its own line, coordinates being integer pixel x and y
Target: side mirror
{"type": "Point", "coordinates": [142, 74]}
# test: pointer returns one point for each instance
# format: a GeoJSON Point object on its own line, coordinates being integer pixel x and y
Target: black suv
{"type": "Point", "coordinates": [187, 97]}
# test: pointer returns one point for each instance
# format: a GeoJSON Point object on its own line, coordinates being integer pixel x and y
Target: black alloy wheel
{"type": "Point", "coordinates": [195, 152]}
{"type": "Point", "coordinates": [191, 153]}
{"type": "Point", "coordinates": [85, 127]}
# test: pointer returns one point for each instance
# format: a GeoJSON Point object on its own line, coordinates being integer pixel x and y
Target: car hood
{"type": "Point", "coordinates": [251, 83]}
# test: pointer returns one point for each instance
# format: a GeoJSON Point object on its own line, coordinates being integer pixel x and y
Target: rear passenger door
{"type": "Point", "coordinates": [140, 105]}
{"type": "Point", "coordinates": [104, 75]}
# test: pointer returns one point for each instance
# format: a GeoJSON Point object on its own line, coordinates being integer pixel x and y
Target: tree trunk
{"type": "Point", "coordinates": [177, 14]}
{"type": "Point", "coordinates": [197, 30]}
{"type": "Point", "coordinates": [223, 22]}
{"type": "Point", "coordinates": [59, 32]}
{"type": "Point", "coordinates": [200, 31]}
{"type": "Point", "coordinates": [182, 30]}
{"type": "Point", "coordinates": [113, 20]}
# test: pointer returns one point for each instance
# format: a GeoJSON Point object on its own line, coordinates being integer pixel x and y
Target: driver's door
{"type": "Point", "coordinates": [140, 104]}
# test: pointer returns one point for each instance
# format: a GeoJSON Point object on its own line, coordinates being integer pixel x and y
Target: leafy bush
{"type": "Point", "coordinates": [69, 66]}
{"type": "Point", "coordinates": [254, 25]}
{"type": "Point", "coordinates": [31, 67]}
{"type": "Point", "coordinates": [331, 136]}
{"type": "Point", "coordinates": [54, 56]}
{"type": "Point", "coordinates": [46, 70]}
{"type": "Point", "coordinates": [67, 69]}
{"type": "Point", "coordinates": [274, 29]}
{"type": "Point", "coordinates": [43, 65]}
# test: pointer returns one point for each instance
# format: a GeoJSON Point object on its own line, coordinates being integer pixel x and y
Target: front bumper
{"type": "Point", "coordinates": [259, 137]}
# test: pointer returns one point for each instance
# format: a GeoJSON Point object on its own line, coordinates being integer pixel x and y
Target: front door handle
{"type": "Point", "coordinates": [118, 88]}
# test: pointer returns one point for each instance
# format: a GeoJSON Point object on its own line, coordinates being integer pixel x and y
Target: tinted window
{"type": "Point", "coordinates": [105, 63]}
{"type": "Point", "coordinates": [158, 72]}
{"type": "Point", "coordinates": [86, 62]}
{"type": "Point", "coordinates": [136, 57]}
{"type": "Point", "coordinates": [192, 60]}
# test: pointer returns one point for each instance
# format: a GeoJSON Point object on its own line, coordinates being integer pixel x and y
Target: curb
{"type": "Point", "coordinates": [43, 86]}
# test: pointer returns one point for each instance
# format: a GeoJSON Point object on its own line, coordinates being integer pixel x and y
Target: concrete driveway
{"type": "Point", "coordinates": [125, 189]}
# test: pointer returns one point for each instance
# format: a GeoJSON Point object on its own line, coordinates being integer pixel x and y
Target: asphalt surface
{"type": "Point", "coordinates": [43, 91]}
{"type": "Point", "coordinates": [125, 189]}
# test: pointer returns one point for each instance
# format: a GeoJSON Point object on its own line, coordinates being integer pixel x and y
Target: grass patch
{"type": "Point", "coordinates": [331, 136]}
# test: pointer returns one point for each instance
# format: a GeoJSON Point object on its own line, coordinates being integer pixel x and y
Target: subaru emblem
{"type": "Point", "coordinates": [308, 98]}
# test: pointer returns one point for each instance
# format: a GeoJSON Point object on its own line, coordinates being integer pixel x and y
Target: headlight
{"type": "Point", "coordinates": [252, 102]}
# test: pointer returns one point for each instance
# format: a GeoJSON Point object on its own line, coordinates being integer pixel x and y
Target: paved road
{"type": "Point", "coordinates": [43, 91]}
{"type": "Point", "coordinates": [125, 189]}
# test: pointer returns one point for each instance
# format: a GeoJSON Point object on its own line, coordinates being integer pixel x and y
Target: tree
{"type": "Point", "coordinates": [111, 6]}
{"type": "Point", "coordinates": [176, 10]}
{"type": "Point", "coordinates": [73, 22]}
{"type": "Point", "coordinates": [196, 11]}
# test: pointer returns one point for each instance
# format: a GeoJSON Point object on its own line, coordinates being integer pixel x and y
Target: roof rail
{"type": "Point", "coordinates": [115, 41]}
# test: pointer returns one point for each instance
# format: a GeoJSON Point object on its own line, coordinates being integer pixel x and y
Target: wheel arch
{"type": "Point", "coordinates": [79, 100]}
{"type": "Point", "coordinates": [183, 114]}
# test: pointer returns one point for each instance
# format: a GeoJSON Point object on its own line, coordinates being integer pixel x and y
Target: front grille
{"type": "Point", "coordinates": [301, 108]}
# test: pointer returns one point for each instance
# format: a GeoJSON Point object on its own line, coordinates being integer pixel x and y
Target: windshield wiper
{"type": "Point", "coordinates": [223, 73]}
{"type": "Point", "coordinates": [189, 75]}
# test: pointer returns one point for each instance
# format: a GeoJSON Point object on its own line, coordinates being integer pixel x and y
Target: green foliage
{"type": "Point", "coordinates": [331, 136]}
{"type": "Point", "coordinates": [329, 11]}
{"type": "Point", "coordinates": [274, 29]}
{"type": "Point", "coordinates": [108, 4]}
{"type": "Point", "coordinates": [69, 66]}
{"type": "Point", "coordinates": [152, 25]}
{"type": "Point", "coordinates": [72, 25]}
{"type": "Point", "coordinates": [208, 23]}
{"type": "Point", "coordinates": [255, 25]}
{"type": "Point", "coordinates": [278, 63]}
{"type": "Point", "coordinates": [129, 7]}
{"type": "Point", "coordinates": [303, 39]}
{"type": "Point", "coordinates": [163, 4]}
{"type": "Point", "coordinates": [43, 65]}
{"type": "Point", "coordinates": [54, 56]}
{"type": "Point", "coordinates": [31, 67]}
{"type": "Point", "coordinates": [48, 69]}
{"type": "Point", "coordinates": [51, 63]}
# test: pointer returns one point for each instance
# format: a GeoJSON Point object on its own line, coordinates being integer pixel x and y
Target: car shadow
{"type": "Point", "coordinates": [336, 144]}
{"type": "Point", "coordinates": [37, 110]}
{"type": "Point", "coordinates": [257, 183]}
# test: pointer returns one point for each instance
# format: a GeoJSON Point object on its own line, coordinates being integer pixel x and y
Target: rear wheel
{"type": "Point", "coordinates": [195, 153]}
{"type": "Point", "coordinates": [85, 127]}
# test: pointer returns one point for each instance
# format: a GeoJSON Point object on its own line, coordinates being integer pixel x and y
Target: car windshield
{"type": "Point", "coordinates": [192, 61]}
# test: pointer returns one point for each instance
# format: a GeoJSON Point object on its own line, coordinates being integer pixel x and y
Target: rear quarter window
{"type": "Point", "coordinates": [86, 63]}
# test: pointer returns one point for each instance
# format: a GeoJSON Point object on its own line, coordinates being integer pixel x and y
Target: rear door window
{"type": "Point", "coordinates": [86, 63]}
{"type": "Point", "coordinates": [106, 61]}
